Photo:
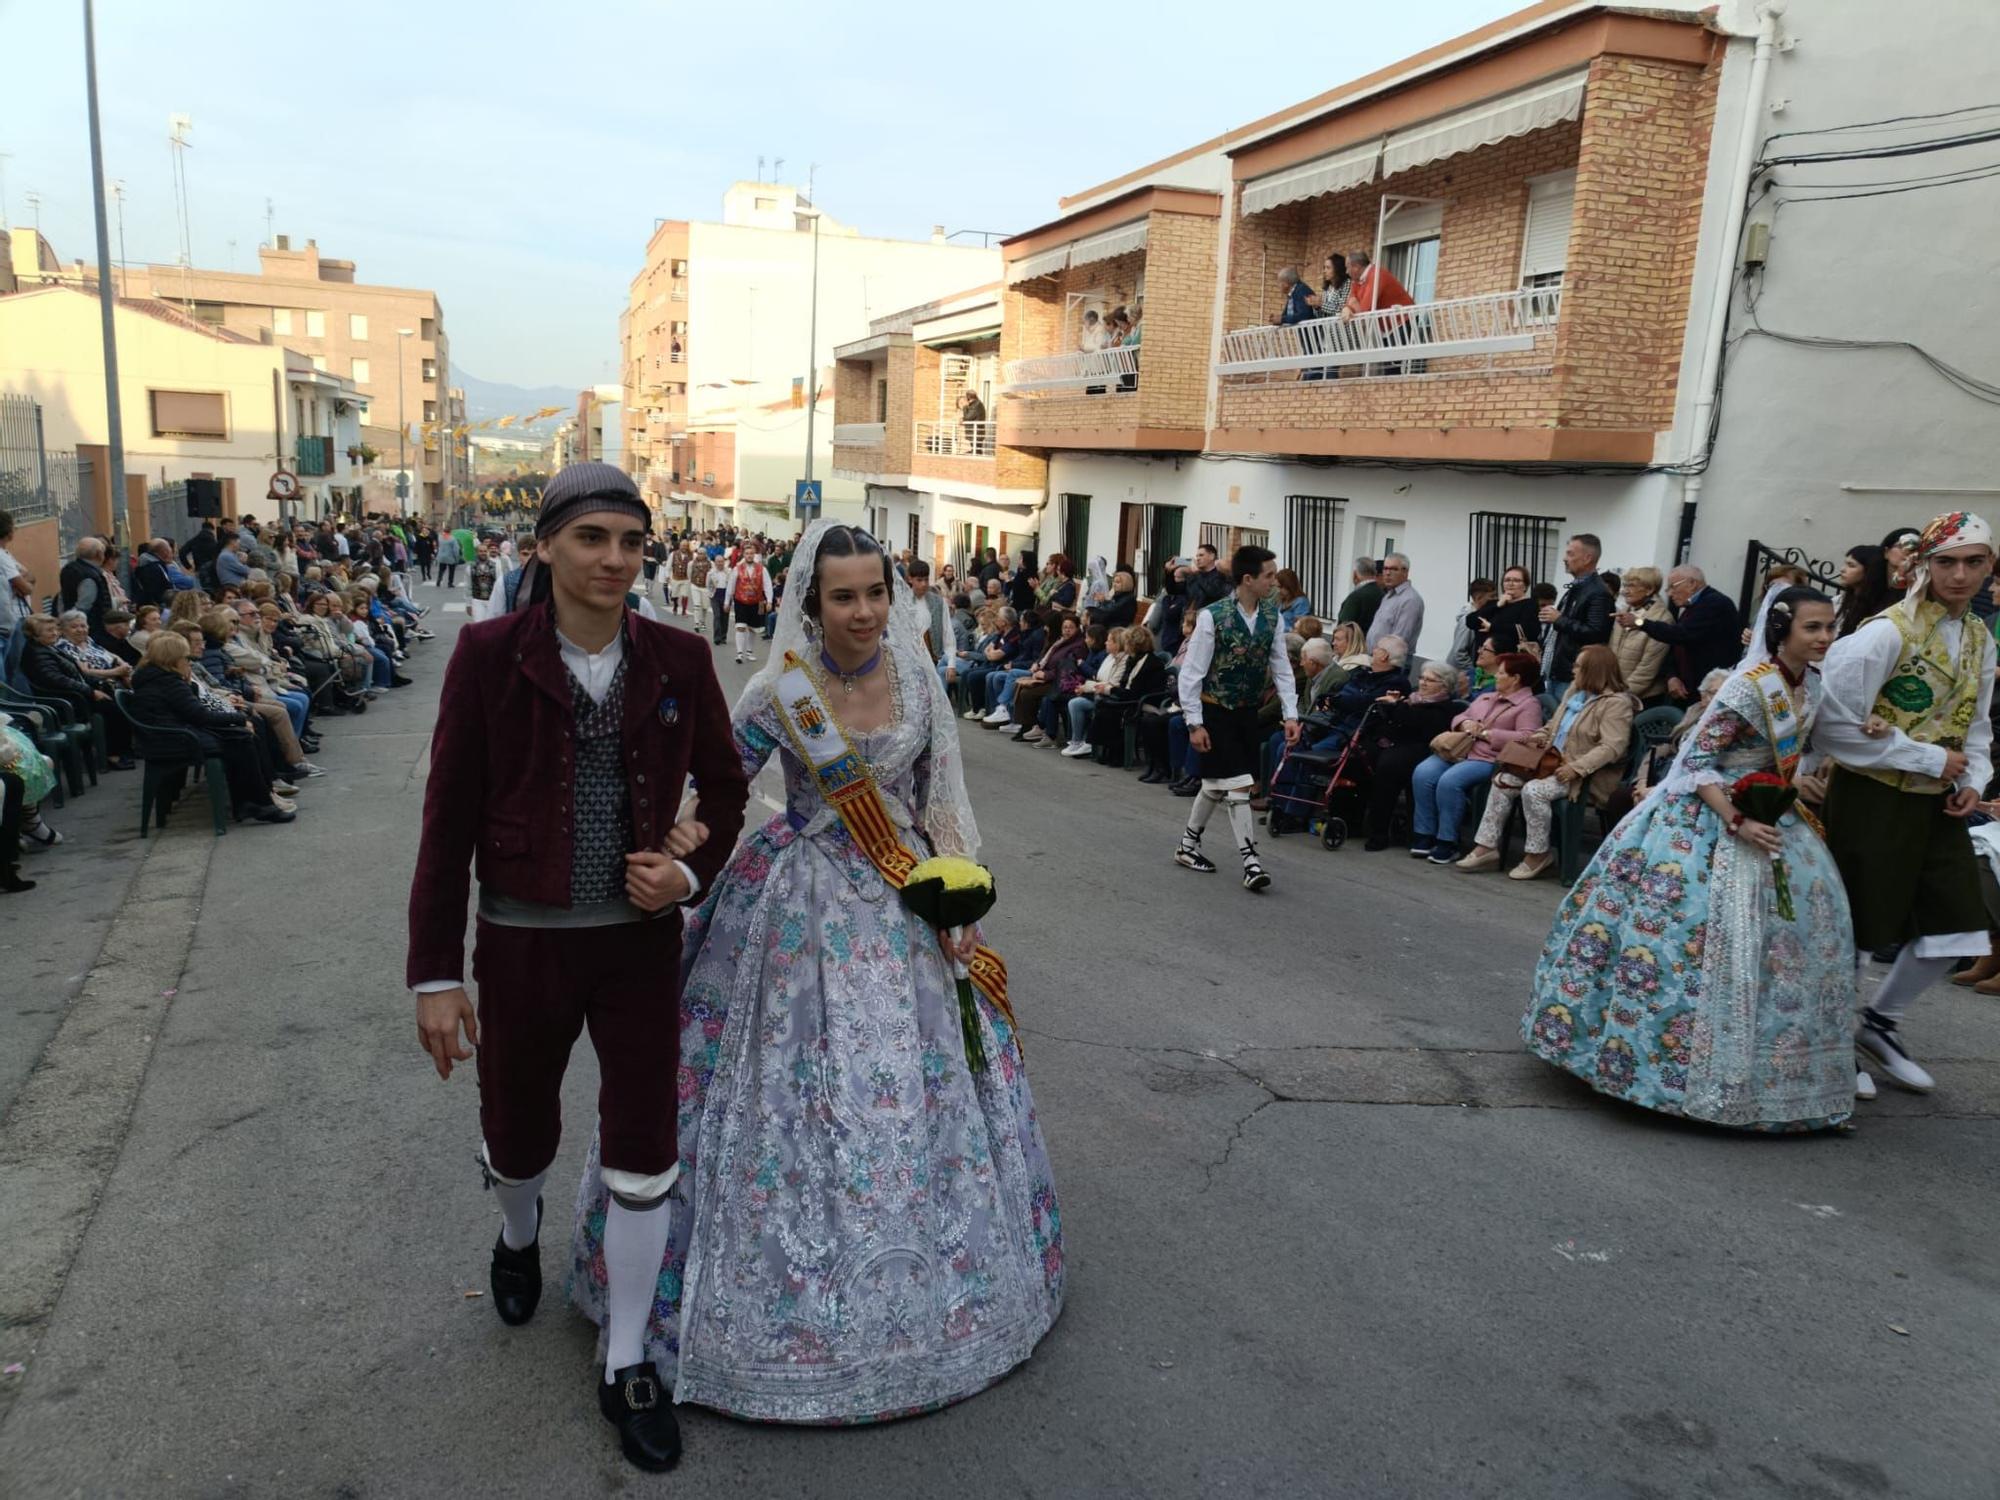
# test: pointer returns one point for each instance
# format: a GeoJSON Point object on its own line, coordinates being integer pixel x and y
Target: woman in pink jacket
{"type": "Point", "coordinates": [1438, 793]}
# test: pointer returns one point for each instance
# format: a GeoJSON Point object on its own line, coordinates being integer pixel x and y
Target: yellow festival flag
{"type": "Point", "coordinates": [505, 422]}
{"type": "Point", "coordinates": [547, 411]}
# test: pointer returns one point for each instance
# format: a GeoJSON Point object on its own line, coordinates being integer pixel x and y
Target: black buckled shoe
{"type": "Point", "coordinates": [637, 1404]}
{"type": "Point", "coordinates": [517, 1276]}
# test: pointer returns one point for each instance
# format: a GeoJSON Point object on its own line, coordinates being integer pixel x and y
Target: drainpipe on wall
{"type": "Point", "coordinates": [1707, 383]}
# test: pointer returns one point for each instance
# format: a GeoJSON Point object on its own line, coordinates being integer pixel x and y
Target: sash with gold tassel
{"type": "Point", "coordinates": [850, 790]}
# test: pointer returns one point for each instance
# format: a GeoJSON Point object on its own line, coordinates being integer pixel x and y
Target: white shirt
{"type": "Point", "coordinates": [12, 606]}
{"type": "Point", "coordinates": [1201, 655]}
{"type": "Point", "coordinates": [1852, 677]}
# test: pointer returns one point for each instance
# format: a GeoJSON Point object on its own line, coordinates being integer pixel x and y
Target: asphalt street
{"type": "Point", "coordinates": [1330, 1231]}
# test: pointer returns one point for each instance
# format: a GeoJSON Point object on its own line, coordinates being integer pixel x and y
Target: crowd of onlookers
{"type": "Point", "coordinates": [1572, 691]}
{"type": "Point", "coordinates": [240, 642]}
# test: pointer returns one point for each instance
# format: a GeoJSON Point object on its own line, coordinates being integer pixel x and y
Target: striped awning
{"type": "Point", "coordinates": [1028, 267]}
{"type": "Point", "coordinates": [1548, 103]}
{"type": "Point", "coordinates": [1119, 241]}
{"type": "Point", "coordinates": [1333, 173]}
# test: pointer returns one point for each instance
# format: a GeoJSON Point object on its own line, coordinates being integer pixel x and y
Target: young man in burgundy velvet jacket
{"type": "Point", "coordinates": [566, 734]}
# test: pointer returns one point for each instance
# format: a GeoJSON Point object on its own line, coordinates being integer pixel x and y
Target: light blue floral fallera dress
{"type": "Point", "coordinates": [1670, 980]}
{"type": "Point", "coordinates": [863, 1228]}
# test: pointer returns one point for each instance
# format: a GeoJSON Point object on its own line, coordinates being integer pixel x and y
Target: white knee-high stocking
{"type": "Point", "coordinates": [635, 1242]}
{"type": "Point", "coordinates": [519, 1217]}
{"type": "Point", "coordinates": [1908, 977]}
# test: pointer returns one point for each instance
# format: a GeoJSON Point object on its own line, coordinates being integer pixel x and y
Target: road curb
{"type": "Point", "coordinates": [63, 1133]}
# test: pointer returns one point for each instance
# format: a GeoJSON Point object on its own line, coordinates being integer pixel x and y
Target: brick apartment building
{"type": "Point", "coordinates": [349, 328]}
{"type": "Point", "coordinates": [1563, 193]}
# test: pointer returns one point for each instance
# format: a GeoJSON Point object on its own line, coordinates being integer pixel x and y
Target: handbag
{"type": "Point", "coordinates": [1453, 745]}
{"type": "Point", "coordinates": [1528, 760]}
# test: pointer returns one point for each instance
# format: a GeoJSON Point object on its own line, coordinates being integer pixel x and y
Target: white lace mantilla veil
{"type": "Point", "coordinates": [947, 813]}
{"type": "Point", "coordinates": [1680, 779]}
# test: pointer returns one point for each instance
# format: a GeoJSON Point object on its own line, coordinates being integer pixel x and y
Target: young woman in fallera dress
{"type": "Point", "coordinates": [1671, 978]}
{"type": "Point", "coordinates": [865, 1225]}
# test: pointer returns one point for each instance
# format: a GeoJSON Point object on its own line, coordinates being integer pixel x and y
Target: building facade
{"type": "Point", "coordinates": [715, 369]}
{"type": "Point", "coordinates": [1562, 194]}
{"type": "Point", "coordinates": [389, 341]}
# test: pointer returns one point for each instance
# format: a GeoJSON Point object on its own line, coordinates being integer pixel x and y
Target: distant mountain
{"type": "Point", "coordinates": [485, 399]}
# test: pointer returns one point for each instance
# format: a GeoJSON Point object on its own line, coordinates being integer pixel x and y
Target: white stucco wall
{"type": "Point", "coordinates": [1798, 424]}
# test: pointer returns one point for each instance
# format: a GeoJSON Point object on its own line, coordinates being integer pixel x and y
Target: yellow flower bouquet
{"type": "Point", "coordinates": [951, 894]}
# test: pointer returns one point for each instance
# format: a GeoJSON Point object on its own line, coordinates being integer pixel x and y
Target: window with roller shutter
{"type": "Point", "coordinates": [190, 414]}
{"type": "Point", "coordinates": [1545, 237]}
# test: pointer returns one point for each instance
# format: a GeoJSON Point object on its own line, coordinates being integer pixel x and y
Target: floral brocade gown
{"type": "Point", "coordinates": [863, 1228]}
{"type": "Point", "coordinates": [1671, 981]}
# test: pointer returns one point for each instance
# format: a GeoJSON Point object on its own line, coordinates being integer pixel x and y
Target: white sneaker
{"type": "Point", "coordinates": [1864, 1086]}
{"type": "Point", "coordinates": [1077, 751]}
{"type": "Point", "coordinates": [974, 714]}
{"type": "Point", "coordinates": [1877, 1040]}
{"type": "Point", "coordinates": [999, 716]}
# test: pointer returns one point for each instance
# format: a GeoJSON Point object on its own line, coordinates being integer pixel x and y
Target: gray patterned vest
{"type": "Point", "coordinates": [603, 820]}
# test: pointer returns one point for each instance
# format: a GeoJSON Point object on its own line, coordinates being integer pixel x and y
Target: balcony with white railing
{"type": "Point", "coordinates": [956, 439]}
{"type": "Point", "coordinates": [859, 434]}
{"type": "Point", "coordinates": [1067, 374]}
{"type": "Point", "coordinates": [1388, 342]}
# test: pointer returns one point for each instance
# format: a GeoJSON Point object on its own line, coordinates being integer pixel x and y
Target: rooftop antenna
{"type": "Point", "coordinates": [270, 217]}
{"type": "Point", "coordinates": [178, 145]}
{"type": "Point", "coordinates": [118, 193]}
{"type": "Point", "coordinates": [760, 168]}
{"type": "Point", "coordinates": [778, 169]}
{"type": "Point", "coordinates": [812, 170]}
{"type": "Point", "coordinates": [35, 208]}
{"type": "Point", "coordinates": [4, 156]}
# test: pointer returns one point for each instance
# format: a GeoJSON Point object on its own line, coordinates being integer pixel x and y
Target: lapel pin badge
{"type": "Point", "coordinates": [670, 711]}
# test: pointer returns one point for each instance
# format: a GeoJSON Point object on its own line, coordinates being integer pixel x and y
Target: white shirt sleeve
{"type": "Point", "coordinates": [1281, 674]}
{"type": "Point", "coordinates": [1194, 668]}
{"type": "Point", "coordinates": [1852, 677]}
{"type": "Point", "coordinates": [1979, 738]}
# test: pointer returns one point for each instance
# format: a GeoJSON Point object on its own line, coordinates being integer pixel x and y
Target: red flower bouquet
{"type": "Point", "coordinates": [1765, 797]}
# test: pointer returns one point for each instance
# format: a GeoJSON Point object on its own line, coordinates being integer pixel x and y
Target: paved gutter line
{"type": "Point", "coordinates": [66, 1128]}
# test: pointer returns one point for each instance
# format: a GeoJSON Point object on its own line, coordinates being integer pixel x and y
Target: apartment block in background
{"type": "Point", "coordinates": [937, 478]}
{"type": "Point", "coordinates": [343, 326]}
{"type": "Point", "coordinates": [714, 359]}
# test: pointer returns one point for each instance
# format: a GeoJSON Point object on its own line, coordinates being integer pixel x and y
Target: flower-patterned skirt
{"type": "Point", "coordinates": [1669, 980]}
{"type": "Point", "coordinates": [863, 1228]}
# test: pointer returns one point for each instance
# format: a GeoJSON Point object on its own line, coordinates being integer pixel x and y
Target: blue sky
{"type": "Point", "coordinates": [514, 157]}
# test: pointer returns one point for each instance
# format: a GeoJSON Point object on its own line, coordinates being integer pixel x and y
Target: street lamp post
{"type": "Point", "coordinates": [812, 349]}
{"type": "Point", "coordinates": [402, 419]}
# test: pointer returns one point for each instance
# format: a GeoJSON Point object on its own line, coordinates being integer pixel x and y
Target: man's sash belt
{"type": "Point", "coordinates": [850, 790]}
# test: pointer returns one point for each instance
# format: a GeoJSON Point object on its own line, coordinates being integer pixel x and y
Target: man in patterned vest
{"type": "Point", "coordinates": [1898, 798]}
{"type": "Point", "coordinates": [566, 731]}
{"type": "Point", "coordinates": [1236, 654]}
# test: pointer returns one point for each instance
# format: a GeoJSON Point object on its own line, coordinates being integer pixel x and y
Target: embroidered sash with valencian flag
{"type": "Point", "coordinates": [850, 790]}
{"type": "Point", "coordinates": [1782, 728]}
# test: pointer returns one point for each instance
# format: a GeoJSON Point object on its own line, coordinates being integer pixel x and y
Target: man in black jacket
{"type": "Point", "coordinates": [1582, 616]}
{"type": "Point", "coordinates": [1704, 634]}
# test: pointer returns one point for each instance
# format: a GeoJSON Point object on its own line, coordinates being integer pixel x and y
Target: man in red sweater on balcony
{"type": "Point", "coordinates": [1376, 289]}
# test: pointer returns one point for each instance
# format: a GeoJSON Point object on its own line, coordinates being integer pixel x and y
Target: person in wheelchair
{"type": "Point", "coordinates": [1333, 720]}
{"type": "Point", "coordinates": [1398, 740]}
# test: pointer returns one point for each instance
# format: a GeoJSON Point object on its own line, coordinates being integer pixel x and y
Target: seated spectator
{"type": "Point", "coordinates": [325, 633]}
{"type": "Point", "coordinates": [996, 647]}
{"type": "Point", "coordinates": [1332, 721]}
{"type": "Point", "coordinates": [1018, 660]}
{"type": "Point", "coordinates": [1163, 736]}
{"type": "Point", "coordinates": [1319, 673]}
{"type": "Point", "coordinates": [26, 777]}
{"type": "Point", "coordinates": [1399, 740]}
{"type": "Point", "coordinates": [240, 677]}
{"type": "Point", "coordinates": [269, 673]}
{"type": "Point", "coordinates": [1441, 784]}
{"type": "Point", "coordinates": [1121, 606]}
{"type": "Point", "coordinates": [1293, 605]}
{"type": "Point", "coordinates": [378, 639]}
{"type": "Point", "coordinates": [53, 673]}
{"type": "Point", "coordinates": [1642, 660]}
{"type": "Point", "coordinates": [1039, 675]}
{"type": "Point", "coordinates": [1102, 650]}
{"type": "Point", "coordinates": [1484, 663]}
{"type": "Point", "coordinates": [164, 692]}
{"type": "Point", "coordinates": [99, 665]}
{"type": "Point", "coordinates": [1592, 733]}
{"type": "Point", "coordinates": [187, 607]}
{"type": "Point", "coordinates": [1097, 718]}
{"type": "Point", "coordinates": [145, 620]}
